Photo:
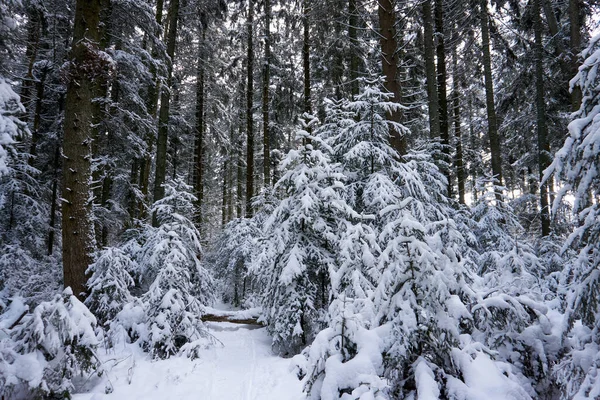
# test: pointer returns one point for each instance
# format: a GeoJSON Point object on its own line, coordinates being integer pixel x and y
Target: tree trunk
{"type": "Point", "coordinates": [163, 118]}
{"type": "Point", "coordinates": [33, 39]}
{"type": "Point", "coordinates": [249, 111]}
{"type": "Point", "coordinates": [430, 73]}
{"type": "Point", "coordinates": [493, 136]}
{"type": "Point", "coordinates": [198, 176]}
{"type": "Point", "coordinates": [352, 35]}
{"type": "Point", "coordinates": [306, 55]}
{"type": "Point", "coordinates": [77, 226]}
{"type": "Point", "coordinates": [460, 168]}
{"type": "Point", "coordinates": [53, 201]}
{"type": "Point", "coordinates": [576, 23]}
{"type": "Point", "coordinates": [441, 90]}
{"type": "Point", "coordinates": [265, 97]}
{"type": "Point", "coordinates": [37, 117]}
{"type": "Point", "coordinates": [389, 66]}
{"type": "Point", "coordinates": [544, 157]}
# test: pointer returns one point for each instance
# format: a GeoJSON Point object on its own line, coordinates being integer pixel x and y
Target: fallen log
{"type": "Point", "coordinates": [231, 318]}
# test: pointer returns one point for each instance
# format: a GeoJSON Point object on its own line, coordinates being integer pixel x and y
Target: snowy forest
{"type": "Point", "coordinates": [395, 199]}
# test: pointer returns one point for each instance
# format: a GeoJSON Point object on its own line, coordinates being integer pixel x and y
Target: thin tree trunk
{"type": "Point", "coordinates": [265, 97]}
{"type": "Point", "coordinates": [441, 90]}
{"type": "Point", "coordinates": [493, 136]}
{"type": "Point", "coordinates": [544, 157]}
{"type": "Point", "coordinates": [352, 35]}
{"type": "Point", "coordinates": [33, 39]}
{"type": "Point", "coordinates": [163, 118]}
{"type": "Point", "coordinates": [224, 192]}
{"type": "Point", "coordinates": [249, 111]}
{"type": "Point", "coordinates": [430, 73]}
{"type": "Point", "coordinates": [389, 66]}
{"type": "Point", "coordinates": [37, 117]}
{"type": "Point", "coordinates": [575, 22]}
{"type": "Point", "coordinates": [77, 226]}
{"type": "Point", "coordinates": [198, 176]}
{"type": "Point", "coordinates": [460, 168]}
{"type": "Point", "coordinates": [306, 55]}
{"type": "Point", "coordinates": [53, 203]}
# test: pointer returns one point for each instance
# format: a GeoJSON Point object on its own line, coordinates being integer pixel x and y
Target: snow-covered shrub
{"type": "Point", "coordinates": [166, 319]}
{"type": "Point", "coordinates": [300, 237]}
{"type": "Point", "coordinates": [231, 258]}
{"type": "Point", "coordinates": [23, 275]}
{"type": "Point", "coordinates": [109, 283]}
{"type": "Point", "coordinates": [577, 165]}
{"type": "Point", "coordinates": [11, 127]}
{"type": "Point", "coordinates": [53, 346]}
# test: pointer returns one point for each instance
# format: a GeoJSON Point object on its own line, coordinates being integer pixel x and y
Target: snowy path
{"type": "Point", "coordinates": [244, 369]}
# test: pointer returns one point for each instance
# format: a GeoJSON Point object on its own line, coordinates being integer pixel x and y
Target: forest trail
{"type": "Point", "coordinates": [244, 368]}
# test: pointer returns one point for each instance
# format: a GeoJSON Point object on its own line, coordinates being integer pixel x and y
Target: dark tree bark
{"type": "Point", "coordinates": [163, 118]}
{"type": "Point", "coordinates": [86, 65]}
{"type": "Point", "coordinates": [352, 35]}
{"type": "Point", "coordinates": [544, 157]}
{"type": "Point", "coordinates": [575, 19]}
{"type": "Point", "coordinates": [389, 66]}
{"type": "Point", "coordinates": [430, 73]}
{"type": "Point", "coordinates": [249, 111]}
{"type": "Point", "coordinates": [459, 162]}
{"type": "Point", "coordinates": [441, 89]}
{"type": "Point", "coordinates": [33, 39]}
{"type": "Point", "coordinates": [198, 172]}
{"type": "Point", "coordinates": [53, 202]}
{"type": "Point", "coordinates": [306, 55]}
{"type": "Point", "coordinates": [493, 136]}
{"type": "Point", "coordinates": [265, 97]}
{"type": "Point", "coordinates": [37, 116]}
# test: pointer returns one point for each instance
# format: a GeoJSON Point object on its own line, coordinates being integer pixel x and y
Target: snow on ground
{"type": "Point", "coordinates": [243, 369]}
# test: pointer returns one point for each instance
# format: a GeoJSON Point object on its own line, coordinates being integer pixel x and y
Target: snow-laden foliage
{"type": "Point", "coordinates": [11, 127]}
{"type": "Point", "coordinates": [166, 319]}
{"type": "Point", "coordinates": [52, 347]}
{"type": "Point", "coordinates": [110, 282]}
{"type": "Point", "coordinates": [409, 317]}
{"type": "Point", "coordinates": [299, 243]}
{"type": "Point", "coordinates": [232, 257]}
{"type": "Point", "coordinates": [577, 164]}
{"type": "Point", "coordinates": [506, 261]}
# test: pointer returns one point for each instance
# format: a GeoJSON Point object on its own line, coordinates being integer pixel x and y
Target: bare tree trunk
{"type": "Point", "coordinates": [432, 94]}
{"type": "Point", "coordinates": [198, 173]}
{"type": "Point", "coordinates": [389, 66]}
{"type": "Point", "coordinates": [493, 136]}
{"type": "Point", "coordinates": [249, 111]}
{"type": "Point", "coordinates": [459, 163]}
{"type": "Point", "coordinates": [306, 55]}
{"type": "Point", "coordinates": [265, 97]}
{"type": "Point", "coordinates": [352, 35]}
{"type": "Point", "coordinates": [53, 203]}
{"type": "Point", "coordinates": [544, 157]}
{"type": "Point", "coordinates": [77, 226]}
{"type": "Point", "coordinates": [37, 117]}
{"type": "Point", "coordinates": [33, 39]}
{"type": "Point", "coordinates": [576, 23]}
{"type": "Point", "coordinates": [163, 118]}
{"type": "Point", "coordinates": [441, 90]}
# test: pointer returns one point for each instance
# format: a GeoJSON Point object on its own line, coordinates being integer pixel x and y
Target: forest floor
{"type": "Point", "coordinates": [244, 368]}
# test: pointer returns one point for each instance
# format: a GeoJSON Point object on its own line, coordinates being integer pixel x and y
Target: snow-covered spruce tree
{"type": "Point", "coordinates": [346, 357]}
{"type": "Point", "coordinates": [55, 346]}
{"type": "Point", "coordinates": [231, 258]}
{"type": "Point", "coordinates": [11, 127]}
{"type": "Point", "coordinates": [577, 165]}
{"type": "Point", "coordinates": [110, 283]}
{"type": "Point", "coordinates": [506, 261]}
{"type": "Point", "coordinates": [167, 318]}
{"type": "Point", "coordinates": [300, 239]}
